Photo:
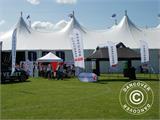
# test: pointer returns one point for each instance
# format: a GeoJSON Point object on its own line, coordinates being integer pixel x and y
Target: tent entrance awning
{"type": "Point", "coordinates": [50, 57]}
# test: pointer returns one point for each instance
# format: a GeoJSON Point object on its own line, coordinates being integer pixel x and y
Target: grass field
{"type": "Point", "coordinates": [70, 99]}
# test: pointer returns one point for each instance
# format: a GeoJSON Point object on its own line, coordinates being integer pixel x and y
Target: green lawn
{"type": "Point", "coordinates": [71, 99]}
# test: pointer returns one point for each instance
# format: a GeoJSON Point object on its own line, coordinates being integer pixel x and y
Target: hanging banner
{"type": "Point", "coordinates": [0, 56]}
{"type": "Point", "coordinates": [77, 48]}
{"type": "Point", "coordinates": [28, 67]}
{"type": "Point", "coordinates": [112, 51]}
{"type": "Point", "coordinates": [144, 51]}
{"type": "Point", "coordinates": [14, 40]}
{"type": "Point", "coordinates": [0, 45]}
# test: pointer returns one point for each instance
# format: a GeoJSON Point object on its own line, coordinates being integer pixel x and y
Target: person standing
{"type": "Point", "coordinates": [49, 71]}
{"type": "Point", "coordinates": [60, 72]}
{"type": "Point", "coordinates": [36, 70]}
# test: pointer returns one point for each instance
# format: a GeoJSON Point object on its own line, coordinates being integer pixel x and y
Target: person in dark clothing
{"type": "Point", "coordinates": [49, 71]}
{"type": "Point", "coordinates": [60, 72]}
{"type": "Point", "coordinates": [132, 74]}
{"type": "Point", "coordinates": [141, 69]}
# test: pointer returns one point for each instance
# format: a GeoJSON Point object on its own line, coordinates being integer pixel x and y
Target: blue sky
{"type": "Point", "coordinates": [94, 14]}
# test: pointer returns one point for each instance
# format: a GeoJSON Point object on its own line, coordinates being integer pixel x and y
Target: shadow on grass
{"type": "Point", "coordinates": [106, 81]}
{"type": "Point", "coordinates": [148, 79]}
{"type": "Point", "coordinates": [64, 79]}
{"type": "Point", "coordinates": [14, 82]}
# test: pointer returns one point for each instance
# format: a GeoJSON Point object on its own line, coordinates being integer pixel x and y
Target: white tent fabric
{"type": "Point", "coordinates": [50, 57]}
{"type": "Point", "coordinates": [125, 32]}
{"type": "Point", "coordinates": [60, 25]}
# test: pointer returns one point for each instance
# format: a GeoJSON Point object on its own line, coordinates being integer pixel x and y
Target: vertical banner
{"type": "Point", "coordinates": [144, 51]}
{"type": "Point", "coordinates": [14, 40]}
{"type": "Point", "coordinates": [0, 58]}
{"type": "Point", "coordinates": [29, 67]}
{"type": "Point", "coordinates": [112, 51]}
{"type": "Point", "coordinates": [77, 48]}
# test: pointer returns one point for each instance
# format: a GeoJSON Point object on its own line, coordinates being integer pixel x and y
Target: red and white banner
{"type": "Point", "coordinates": [112, 51]}
{"type": "Point", "coordinates": [144, 51]}
{"type": "Point", "coordinates": [14, 41]}
{"type": "Point", "coordinates": [77, 48]}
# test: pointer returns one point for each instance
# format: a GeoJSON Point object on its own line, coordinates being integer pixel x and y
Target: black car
{"type": "Point", "coordinates": [18, 75]}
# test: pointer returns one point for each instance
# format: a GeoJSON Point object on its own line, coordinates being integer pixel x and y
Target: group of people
{"type": "Point", "coordinates": [45, 70]}
{"type": "Point", "coordinates": [62, 71]}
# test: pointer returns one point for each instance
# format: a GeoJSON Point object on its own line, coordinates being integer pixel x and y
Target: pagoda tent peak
{"type": "Point", "coordinates": [126, 22]}
{"type": "Point", "coordinates": [73, 23]}
{"type": "Point", "coordinates": [22, 27]}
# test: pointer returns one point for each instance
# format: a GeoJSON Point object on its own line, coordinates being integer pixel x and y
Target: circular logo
{"type": "Point", "coordinates": [136, 97]}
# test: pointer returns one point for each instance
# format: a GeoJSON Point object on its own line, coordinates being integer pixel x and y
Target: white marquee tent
{"type": "Point", "coordinates": [50, 57]}
{"type": "Point", "coordinates": [125, 32]}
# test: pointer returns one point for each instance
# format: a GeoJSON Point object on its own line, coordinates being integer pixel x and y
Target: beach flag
{"type": "Point", "coordinates": [0, 55]}
{"type": "Point", "coordinates": [77, 48]}
{"type": "Point", "coordinates": [112, 51]}
{"type": "Point", "coordinates": [144, 50]}
{"type": "Point", "coordinates": [114, 15]}
{"type": "Point", "coordinates": [28, 17]}
{"type": "Point", "coordinates": [71, 15]}
{"type": "Point", "coordinates": [14, 41]}
{"type": "Point", "coordinates": [0, 45]}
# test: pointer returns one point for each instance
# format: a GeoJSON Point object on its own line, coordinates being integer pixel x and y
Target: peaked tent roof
{"type": "Point", "coordinates": [126, 31]}
{"type": "Point", "coordinates": [50, 57]}
{"type": "Point", "coordinates": [22, 27]}
{"type": "Point", "coordinates": [123, 52]}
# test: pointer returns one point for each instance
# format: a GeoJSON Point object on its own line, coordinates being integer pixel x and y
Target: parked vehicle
{"type": "Point", "coordinates": [18, 75]}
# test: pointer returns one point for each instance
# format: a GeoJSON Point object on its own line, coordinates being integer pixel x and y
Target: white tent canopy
{"type": "Point", "coordinates": [50, 57]}
{"type": "Point", "coordinates": [126, 32]}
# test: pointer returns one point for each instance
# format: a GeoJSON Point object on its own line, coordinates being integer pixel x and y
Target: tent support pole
{"type": "Point", "coordinates": [26, 55]}
{"type": "Point", "coordinates": [97, 68]}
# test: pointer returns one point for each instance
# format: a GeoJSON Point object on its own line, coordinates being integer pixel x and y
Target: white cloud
{"type": "Point", "coordinates": [6, 35]}
{"type": "Point", "coordinates": [43, 26]}
{"type": "Point", "coordinates": [66, 1]}
{"type": "Point", "coordinates": [39, 26]}
{"type": "Point", "coordinates": [2, 22]}
{"type": "Point", "coordinates": [48, 26]}
{"type": "Point", "coordinates": [61, 24]}
{"type": "Point", "coordinates": [34, 2]}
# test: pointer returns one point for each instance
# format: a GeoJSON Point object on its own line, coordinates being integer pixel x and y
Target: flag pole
{"type": "Point", "coordinates": [21, 13]}
{"type": "Point", "coordinates": [29, 20]}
